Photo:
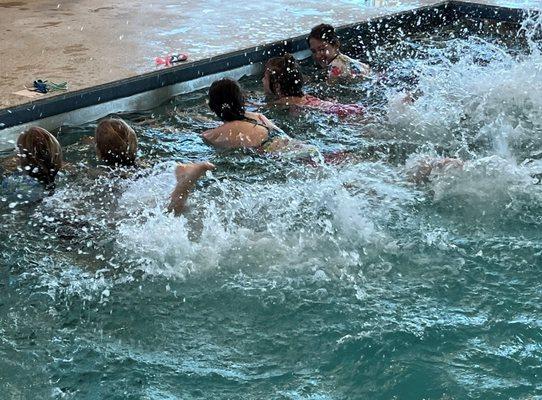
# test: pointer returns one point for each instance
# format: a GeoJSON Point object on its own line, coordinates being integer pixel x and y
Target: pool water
{"type": "Point", "coordinates": [293, 280]}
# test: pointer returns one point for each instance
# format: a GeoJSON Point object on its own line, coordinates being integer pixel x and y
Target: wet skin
{"type": "Point", "coordinates": [323, 52]}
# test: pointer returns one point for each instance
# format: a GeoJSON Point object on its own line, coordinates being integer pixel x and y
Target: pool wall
{"type": "Point", "coordinates": [148, 90]}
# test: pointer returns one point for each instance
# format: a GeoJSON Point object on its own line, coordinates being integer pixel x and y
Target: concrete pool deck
{"type": "Point", "coordinates": [92, 42]}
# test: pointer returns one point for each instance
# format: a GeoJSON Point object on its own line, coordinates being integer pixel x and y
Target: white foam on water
{"type": "Point", "coordinates": [488, 185]}
{"type": "Point", "coordinates": [325, 219]}
{"type": "Point", "coordinates": [149, 191]}
{"type": "Point", "coordinates": [336, 217]}
{"type": "Point", "coordinates": [482, 103]}
{"type": "Point", "coordinates": [58, 279]}
{"type": "Point", "coordinates": [474, 91]}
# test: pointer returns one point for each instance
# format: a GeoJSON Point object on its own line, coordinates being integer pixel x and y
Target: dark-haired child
{"type": "Point", "coordinates": [325, 47]}
{"type": "Point", "coordinates": [240, 129]}
{"type": "Point", "coordinates": [283, 79]}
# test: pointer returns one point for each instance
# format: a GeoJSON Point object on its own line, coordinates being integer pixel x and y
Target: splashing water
{"type": "Point", "coordinates": [475, 93]}
{"type": "Point", "coordinates": [266, 223]}
{"type": "Point", "coordinates": [287, 279]}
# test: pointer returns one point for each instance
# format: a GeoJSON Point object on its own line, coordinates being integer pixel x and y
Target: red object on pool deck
{"type": "Point", "coordinates": [171, 59]}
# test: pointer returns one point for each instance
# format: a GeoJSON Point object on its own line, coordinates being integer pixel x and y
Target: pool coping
{"type": "Point", "coordinates": [149, 89]}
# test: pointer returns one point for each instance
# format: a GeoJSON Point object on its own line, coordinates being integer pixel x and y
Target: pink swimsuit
{"type": "Point", "coordinates": [330, 107]}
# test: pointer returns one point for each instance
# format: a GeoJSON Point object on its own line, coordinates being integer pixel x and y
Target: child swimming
{"type": "Point", "coordinates": [116, 145]}
{"type": "Point", "coordinates": [325, 47]}
{"type": "Point", "coordinates": [240, 129]}
{"type": "Point", "coordinates": [40, 155]}
{"type": "Point", "coordinates": [31, 174]}
{"type": "Point", "coordinates": [420, 170]}
{"type": "Point", "coordinates": [283, 79]}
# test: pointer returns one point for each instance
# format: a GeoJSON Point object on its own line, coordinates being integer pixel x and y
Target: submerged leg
{"type": "Point", "coordinates": [187, 175]}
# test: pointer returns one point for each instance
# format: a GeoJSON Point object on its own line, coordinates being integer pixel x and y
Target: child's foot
{"type": "Point", "coordinates": [192, 172]}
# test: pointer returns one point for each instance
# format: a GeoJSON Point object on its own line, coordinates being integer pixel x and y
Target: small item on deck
{"type": "Point", "coordinates": [171, 59]}
{"type": "Point", "coordinates": [44, 86]}
{"type": "Point", "coordinates": [40, 86]}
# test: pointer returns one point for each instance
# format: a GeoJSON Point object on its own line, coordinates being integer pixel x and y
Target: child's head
{"type": "Point", "coordinates": [226, 100]}
{"type": "Point", "coordinates": [324, 44]}
{"type": "Point", "coordinates": [40, 154]}
{"type": "Point", "coordinates": [283, 77]}
{"type": "Point", "coordinates": [116, 142]}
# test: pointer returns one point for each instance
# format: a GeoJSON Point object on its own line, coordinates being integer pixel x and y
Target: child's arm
{"type": "Point", "coordinates": [187, 175]}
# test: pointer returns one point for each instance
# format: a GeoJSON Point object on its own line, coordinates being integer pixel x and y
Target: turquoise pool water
{"type": "Point", "coordinates": [288, 280]}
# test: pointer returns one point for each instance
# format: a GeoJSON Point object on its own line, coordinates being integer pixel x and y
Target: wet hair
{"type": "Point", "coordinates": [285, 72]}
{"type": "Point", "coordinates": [116, 142]}
{"type": "Point", "coordinates": [40, 154]}
{"type": "Point", "coordinates": [226, 100]}
{"type": "Point", "coordinates": [325, 33]}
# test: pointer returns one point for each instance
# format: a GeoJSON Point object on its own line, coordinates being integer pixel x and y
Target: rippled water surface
{"type": "Point", "coordinates": [294, 280]}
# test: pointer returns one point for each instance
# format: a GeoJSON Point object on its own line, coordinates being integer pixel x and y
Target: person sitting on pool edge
{"type": "Point", "coordinates": [283, 79]}
{"type": "Point", "coordinates": [240, 128]}
{"type": "Point", "coordinates": [325, 47]}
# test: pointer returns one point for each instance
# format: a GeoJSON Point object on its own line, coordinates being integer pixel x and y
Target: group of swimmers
{"type": "Point", "coordinates": [40, 154]}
